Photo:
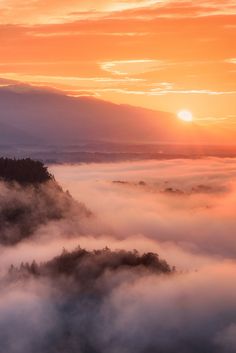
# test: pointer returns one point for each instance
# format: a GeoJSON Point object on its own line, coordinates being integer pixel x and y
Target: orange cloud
{"type": "Point", "coordinates": [121, 52]}
{"type": "Point", "coordinates": [58, 11]}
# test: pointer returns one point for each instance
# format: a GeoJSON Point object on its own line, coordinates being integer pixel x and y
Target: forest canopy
{"type": "Point", "coordinates": [24, 171]}
{"type": "Point", "coordinates": [31, 198]}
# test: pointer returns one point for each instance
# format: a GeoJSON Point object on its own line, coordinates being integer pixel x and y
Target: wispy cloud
{"type": "Point", "coordinates": [75, 33]}
{"type": "Point", "coordinates": [121, 49]}
{"type": "Point", "coordinates": [131, 67]}
{"type": "Point", "coordinates": [231, 61]}
{"type": "Point", "coordinates": [70, 82]}
{"type": "Point", "coordinates": [39, 11]}
{"type": "Point", "coordinates": [163, 92]}
{"type": "Point", "coordinates": [121, 84]}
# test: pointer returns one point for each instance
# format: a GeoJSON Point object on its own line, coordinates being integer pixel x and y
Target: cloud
{"type": "Point", "coordinates": [35, 12]}
{"type": "Point", "coordinates": [86, 33]}
{"type": "Point", "coordinates": [162, 91]}
{"type": "Point", "coordinates": [121, 82]}
{"type": "Point", "coordinates": [132, 67]}
{"type": "Point", "coordinates": [194, 220]}
{"type": "Point", "coordinates": [187, 211]}
{"type": "Point", "coordinates": [24, 209]}
{"type": "Point", "coordinates": [231, 61]}
{"type": "Point", "coordinates": [226, 338]}
{"type": "Point", "coordinates": [122, 310]}
{"type": "Point", "coordinates": [71, 85]}
{"type": "Point", "coordinates": [54, 12]}
{"type": "Point", "coordinates": [181, 209]}
{"type": "Point", "coordinates": [4, 82]}
{"type": "Point", "coordinates": [129, 42]}
{"type": "Point", "coordinates": [175, 9]}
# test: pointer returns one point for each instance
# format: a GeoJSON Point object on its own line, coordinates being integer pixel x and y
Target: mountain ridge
{"type": "Point", "coordinates": [51, 117]}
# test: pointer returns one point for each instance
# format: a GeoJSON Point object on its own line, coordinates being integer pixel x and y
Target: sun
{"type": "Point", "coordinates": [185, 115]}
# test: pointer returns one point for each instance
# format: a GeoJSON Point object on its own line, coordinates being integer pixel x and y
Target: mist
{"type": "Point", "coordinates": [187, 203]}
{"type": "Point", "coordinates": [182, 210]}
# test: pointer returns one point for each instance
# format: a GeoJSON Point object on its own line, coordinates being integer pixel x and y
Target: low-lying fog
{"type": "Point", "coordinates": [182, 209]}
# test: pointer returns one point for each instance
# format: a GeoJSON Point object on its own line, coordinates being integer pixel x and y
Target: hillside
{"type": "Point", "coordinates": [24, 171]}
{"type": "Point", "coordinates": [48, 117]}
{"type": "Point", "coordinates": [30, 199]}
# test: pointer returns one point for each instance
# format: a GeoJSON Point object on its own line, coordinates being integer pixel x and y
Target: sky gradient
{"type": "Point", "coordinates": [163, 55]}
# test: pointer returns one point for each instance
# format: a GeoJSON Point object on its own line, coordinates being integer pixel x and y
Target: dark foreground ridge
{"type": "Point", "coordinates": [24, 171]}
{"type": "Point", "coordinates": [31, 198]}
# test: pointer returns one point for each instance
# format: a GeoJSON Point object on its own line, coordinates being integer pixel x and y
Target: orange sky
{"type": "Point", "coordinates": [165, 55]}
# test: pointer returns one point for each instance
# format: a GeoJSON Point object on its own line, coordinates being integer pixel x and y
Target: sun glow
{"type": "Point", "coordinates": [185, 115]}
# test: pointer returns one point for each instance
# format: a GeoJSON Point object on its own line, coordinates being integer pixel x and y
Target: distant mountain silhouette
{"type": "Point", "coordinates": [49, 117]}
{"type": "Point", "coordinates": [11, 134]}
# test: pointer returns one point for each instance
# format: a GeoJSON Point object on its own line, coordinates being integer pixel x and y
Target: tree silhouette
{"type": "Point", "coordinates": [24, 171]}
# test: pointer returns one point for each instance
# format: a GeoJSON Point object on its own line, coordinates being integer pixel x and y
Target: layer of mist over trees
{"type": "Point", "coordinates": [87, 266]}
{"type": "Point", "coordinates": [30, 198]}
{"type": "Point", "coordinates": [75, 285]}
{"type": "Point", "coordinates": [114, 301]}
{"type": "Point", "coordinates": [74, 289]}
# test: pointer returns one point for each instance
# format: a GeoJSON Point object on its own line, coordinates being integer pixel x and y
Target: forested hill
{"type": "Point", "coordinates": [24, 171]}
{"type": "Point", "coordinates": [32, 198]}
